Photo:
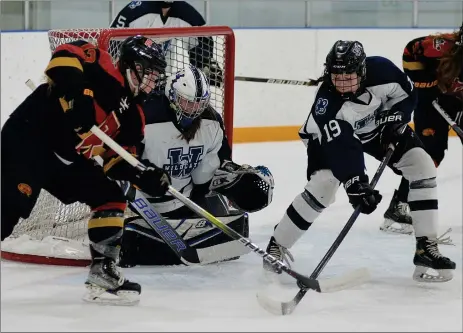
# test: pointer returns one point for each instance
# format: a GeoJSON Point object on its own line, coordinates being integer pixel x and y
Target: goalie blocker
{"type": "Point", "coordinates": [246, 189]}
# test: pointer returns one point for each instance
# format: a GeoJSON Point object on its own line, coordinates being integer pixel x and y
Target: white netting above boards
{"type": "Point", "coordinates": [56, 233]}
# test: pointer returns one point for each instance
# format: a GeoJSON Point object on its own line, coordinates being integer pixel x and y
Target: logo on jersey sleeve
{"type": "Point", "coordinates": [134, 4]}
{"type": "Point", "coordinates": [182, 165]}
{"type": "Point", "coordinates": [320, 106]}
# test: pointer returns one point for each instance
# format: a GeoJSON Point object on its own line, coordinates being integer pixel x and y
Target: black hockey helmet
{"type": "Point", "coordinates": [142, 56]}
{"type": "Point", "coordinates": [346, 57]}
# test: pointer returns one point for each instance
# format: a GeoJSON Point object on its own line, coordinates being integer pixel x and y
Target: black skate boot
{"type": "Point", "coordinates": [106, 284]}
{"type": "Point", "coordinates": [398, 213]}
{"type": "Point", "coordinates": [427, 256]}
{"type": "Point", "coordinates": [279, 252]}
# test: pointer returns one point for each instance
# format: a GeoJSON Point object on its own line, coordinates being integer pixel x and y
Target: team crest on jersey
{"type": "Point", "coordinates": [438, 42]}
{"type": "Point", "coordinates": [366, 120]}
{"type": "Point", "coordinates": [320, 106]}
{"type": "Point", "coordinates": [134, 4]}
{"type": "Point", "coordinates": [182, 165]}
{"type": "Point", "coordinates": [25, 189]}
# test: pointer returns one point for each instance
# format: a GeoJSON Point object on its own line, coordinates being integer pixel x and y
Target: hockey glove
{"type": "Point", "coordinates": [361, 193]}
{"type": "Point", "coordinates": [214, 73]}
{"type": "Point", "coordinates": [153, 181]}
{"type": "Point", "coordinates": [391, 124]}
{"type": "Point", "coordinates": [249, 189]}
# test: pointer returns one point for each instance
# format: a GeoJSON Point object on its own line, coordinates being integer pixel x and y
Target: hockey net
{"type": "Point", "coordinates": [56, 233]}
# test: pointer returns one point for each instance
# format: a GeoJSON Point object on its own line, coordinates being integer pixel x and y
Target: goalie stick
{"type": "Point", "coordinates": [355, 278]}
{"type": "Point", "coordinates": [310, 283]}
{"type": "Point", "coordinates": [446, 116]}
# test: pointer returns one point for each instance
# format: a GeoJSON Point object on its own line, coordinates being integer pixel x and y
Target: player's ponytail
{"type": "Point", "coordinates": [450, 65]}
{"type": "Point", "coordinates": [316, 82]}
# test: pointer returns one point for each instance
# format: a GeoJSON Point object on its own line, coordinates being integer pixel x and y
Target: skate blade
{"type": "Point", "coordinates": [421, 275]}
{"type": "Point", "coordinates": [403, 228]}
{"type": "Point", "coordinates": [98, 295]}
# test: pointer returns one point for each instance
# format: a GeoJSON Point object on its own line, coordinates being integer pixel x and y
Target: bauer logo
{"type": "Point", "coordinates": [159, 224]}
{"type": "Point", "coordinates": [181, 165]}
{"type": "Point", "coordinates": [320, 106]}
{"type": "Point", "coordinates": [203, 224]}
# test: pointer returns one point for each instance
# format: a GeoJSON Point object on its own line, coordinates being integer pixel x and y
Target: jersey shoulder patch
{"type": "Point", "coordinates": [326, 104]}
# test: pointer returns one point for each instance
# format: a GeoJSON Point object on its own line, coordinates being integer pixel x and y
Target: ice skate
{"type": "Point", "coordinates": [397, 218]}
{"type": "Point", "coordinates": [428, 256]}
{"type": "Point", "coordinates": [280, 253]}
{"type": "Point", "coordinates": [106, 285]}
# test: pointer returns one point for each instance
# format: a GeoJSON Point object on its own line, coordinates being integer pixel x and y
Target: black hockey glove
{"type": "Point", "coordinates": [361, 193]}
{"type": "Point", "coordinates": [214, 73]}
{"type": "Point", "coordinates": [153, 181]}
{"type": "Point", "coordinates": [392, 124]}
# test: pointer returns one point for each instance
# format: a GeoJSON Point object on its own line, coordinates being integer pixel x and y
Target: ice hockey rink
{"type": "Point", "coordinates": [223, 297]}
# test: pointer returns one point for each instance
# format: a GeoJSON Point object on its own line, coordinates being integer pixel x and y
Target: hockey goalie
{"type": "Point", "coordinates": [185, 136]}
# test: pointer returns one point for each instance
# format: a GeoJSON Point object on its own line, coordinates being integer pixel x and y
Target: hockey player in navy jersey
{"type": "Point", "coordinates": [185, 136]}
{"type": "Point", "coordinates": [361, 107]}
{"type": "Point", "coordinates": [173, 14]}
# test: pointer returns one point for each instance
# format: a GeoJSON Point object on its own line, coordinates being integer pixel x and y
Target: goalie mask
{"type": "Point", "coordinates": [247, 188]}
{"type": "Point", "coordinates": [189, 93]}
{"type": "Point", "coordinates": [143, 64]}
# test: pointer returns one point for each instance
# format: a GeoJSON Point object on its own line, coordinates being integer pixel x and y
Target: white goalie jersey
{"type": "Point", "coordinates": [188, 163]}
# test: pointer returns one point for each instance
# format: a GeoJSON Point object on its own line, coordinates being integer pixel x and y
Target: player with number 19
{"type": "Point", "coordinates": [362, 106]}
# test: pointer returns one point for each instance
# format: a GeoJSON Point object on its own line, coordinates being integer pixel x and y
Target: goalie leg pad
{"type": "Point", "coordinates": [142, 246]}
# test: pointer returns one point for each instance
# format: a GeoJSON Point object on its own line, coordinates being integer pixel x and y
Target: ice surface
{"type": "Point", "coordinates": [222, 297]}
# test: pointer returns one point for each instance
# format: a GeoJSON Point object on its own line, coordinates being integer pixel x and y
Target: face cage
{"type": "Point", "coordinates": [147, 77]}
{"type": "Point", "coordinates": [186, 109]}
{"type": "Point", "coordinates": [361, 74]}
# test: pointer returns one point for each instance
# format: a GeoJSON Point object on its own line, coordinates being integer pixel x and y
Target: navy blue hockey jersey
{"type": "Point", "coordinates": [341, 126]}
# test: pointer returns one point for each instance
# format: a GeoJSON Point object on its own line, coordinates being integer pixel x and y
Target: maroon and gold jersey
{"type": "Point", "coordinates": [421, 59]}
{"type": "Point", "coordinates": [81, 70]}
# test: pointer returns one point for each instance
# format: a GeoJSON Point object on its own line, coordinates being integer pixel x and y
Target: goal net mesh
{"type": "Point", "coordinates": [55, 230]}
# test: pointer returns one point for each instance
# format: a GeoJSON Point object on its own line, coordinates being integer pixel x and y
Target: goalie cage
{"type": "Point", "coordinates": [56, 233]}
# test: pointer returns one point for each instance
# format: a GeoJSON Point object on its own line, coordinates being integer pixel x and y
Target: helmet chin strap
{"type": "Point", "coordinates": [128, 74]}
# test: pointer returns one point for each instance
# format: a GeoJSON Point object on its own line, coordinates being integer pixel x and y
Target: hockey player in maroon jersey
{"type": "Point", "coordinates": [435, 64]}
{"type": "Point", "coordinates": [47, 144]}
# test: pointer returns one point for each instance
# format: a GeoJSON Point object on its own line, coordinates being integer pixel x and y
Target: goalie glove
{"type": "Point", "coordinates": [249, 189]}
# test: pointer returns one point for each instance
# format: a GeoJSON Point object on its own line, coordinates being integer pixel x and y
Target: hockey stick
{"type": "Point", "coordinates": [446, 116]}
{"type": "Point", "coordinates": [159, 224]}
{"type": "Point", "coordinates": [156, 221]}
{"type": "Point", "coordinates": [276, 81]}
{"type": "Point", "coordinates": [310, 283]}
{"type": "Point", "coordinates": [355, 278]}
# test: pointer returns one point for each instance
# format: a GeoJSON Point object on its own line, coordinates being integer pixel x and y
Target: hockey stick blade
{"type": "Point", "coordinates": [346, 281]}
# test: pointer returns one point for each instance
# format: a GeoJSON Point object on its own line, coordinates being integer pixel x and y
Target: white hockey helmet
{"type": "Point", "coordinates": [189, 93]}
